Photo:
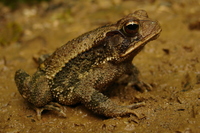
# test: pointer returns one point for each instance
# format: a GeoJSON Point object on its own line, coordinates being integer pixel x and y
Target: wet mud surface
{"type": "Point", "coordinates": [171, 64]}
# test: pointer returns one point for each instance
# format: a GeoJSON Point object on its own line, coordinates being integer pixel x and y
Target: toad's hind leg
{"type": "Point", "coordinates": [101, 104]}
{"type": "Point", "coordinates": [61, 95]}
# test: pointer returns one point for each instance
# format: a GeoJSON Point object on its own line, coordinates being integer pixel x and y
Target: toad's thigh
{"type": "Point", "coordinates": [64, 95]}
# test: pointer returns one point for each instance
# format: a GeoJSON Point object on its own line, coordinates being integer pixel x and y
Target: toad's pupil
{"type": "Point", "coordinates": [132, 26]}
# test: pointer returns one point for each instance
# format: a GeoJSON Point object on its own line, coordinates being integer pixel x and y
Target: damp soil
{"type": "Point", "coordinates": [171, 64]}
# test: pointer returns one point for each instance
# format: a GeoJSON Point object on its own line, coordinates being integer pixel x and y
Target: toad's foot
{"type": "Point", "coordinates": [51, 106]}
{"type": "Point", "coordinates": [130, 108]}
{"type": "Point", "coordinates": [135, 105]}
{"type": "Point", "coordinates": [141, 86]}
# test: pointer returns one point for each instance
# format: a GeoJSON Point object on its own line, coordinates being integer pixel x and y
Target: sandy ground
{"type": "Point", "coordinates": [171, 64]}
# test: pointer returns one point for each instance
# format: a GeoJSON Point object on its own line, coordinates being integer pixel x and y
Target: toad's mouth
{"type": "Point", "coordinates": [137, 46]}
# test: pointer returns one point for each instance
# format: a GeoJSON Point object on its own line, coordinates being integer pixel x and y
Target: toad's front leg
{"type": "Point", "coordinates": [131, 79]}
{"type": "Point", "coordinates": [101, 104]}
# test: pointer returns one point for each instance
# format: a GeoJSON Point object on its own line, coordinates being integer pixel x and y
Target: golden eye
{"type": "Point", "coordinates": [131, 28]}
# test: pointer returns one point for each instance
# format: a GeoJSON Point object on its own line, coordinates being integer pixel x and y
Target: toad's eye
{"type": "Point", "coordinates": [131, 28]}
